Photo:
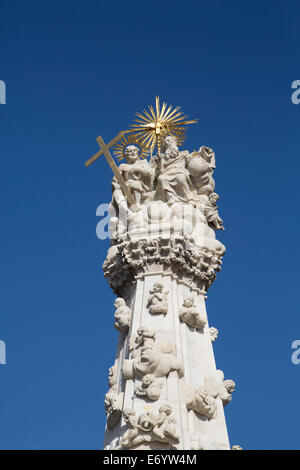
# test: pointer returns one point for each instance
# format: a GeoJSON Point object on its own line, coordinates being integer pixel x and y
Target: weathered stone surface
{"type": "Point", "coordinates": [165, 391]}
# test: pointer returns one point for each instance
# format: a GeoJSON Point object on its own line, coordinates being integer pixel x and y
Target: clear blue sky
{"type": "Point", "coordinates": [75, 70]}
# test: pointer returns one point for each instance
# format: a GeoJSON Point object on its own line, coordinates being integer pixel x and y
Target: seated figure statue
{"type": "Point", "coordinates": [138, 176]}
{"type": "Point", "coordinates": [173, 181]}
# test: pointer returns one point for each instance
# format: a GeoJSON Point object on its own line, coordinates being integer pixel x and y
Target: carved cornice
{"type": "Point", "coordinates": [128, 259]}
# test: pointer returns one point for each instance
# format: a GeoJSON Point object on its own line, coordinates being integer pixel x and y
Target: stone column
{"type": "Point", "coordinates": [164, 389]}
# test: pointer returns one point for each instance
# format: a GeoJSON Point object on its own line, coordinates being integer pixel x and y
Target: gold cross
{"type": "Point", "coordinates": [104, 149]}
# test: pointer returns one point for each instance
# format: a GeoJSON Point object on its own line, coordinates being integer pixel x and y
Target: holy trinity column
{"type": "Point", "coordinates": [164, 390]}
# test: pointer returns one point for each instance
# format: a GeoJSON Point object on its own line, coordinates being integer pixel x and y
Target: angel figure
{"type": "Point", "coordinates": [157, 301]}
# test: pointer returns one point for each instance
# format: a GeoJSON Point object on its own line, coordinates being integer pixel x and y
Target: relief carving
{"type": "Point", "coordinates": [157, 302]}
{"type": "Point", "coordinates": [113, 403]}
{"type": "Point", "coordinates": [213, 333]}
{"type": "Point", "coordinates": [149, 388]}
{"type": "Point", "coordinates": [122, 315]}
{"type": "Point", "coordinates": [189, 314]}
{"type": "Point", "coordinates": [149, 357]}
{"type": "Point", "coordinates": [149, 427]}
{"type": "Point", "coordinates": [203, 399]}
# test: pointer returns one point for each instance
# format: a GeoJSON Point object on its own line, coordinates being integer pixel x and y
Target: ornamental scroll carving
{"type": "Point", "coordinates": [130, 258]}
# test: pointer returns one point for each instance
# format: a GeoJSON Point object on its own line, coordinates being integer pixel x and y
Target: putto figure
{"type": "Point", "coordinates": [149, 427]}
{"type": "Point", "coordinates": [189, 314]}
{"type": "Point", "coordinates": [213, 333]}
{"type": "Point", "coordinates": [149, 388]}
{"type": "Point", "coordinates": [122, 315]}
{"type": "Point", "coordinates": [151, 357]}
{"type": "Point", "coordinates": [157, 302]}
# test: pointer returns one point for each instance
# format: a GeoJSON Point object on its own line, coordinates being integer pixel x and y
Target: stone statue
{"type": "Point", "coordinates": [151, 358]}
{"type": "Point", "coordinates": [113, 400]}
{"type": "Point", "coordinates": [112, 375]}
{"type": "Point", "coordinates": [147, 338]}
{"type": "Point", "coordinates": [138, 176]}
{"type": "Point", "coordinates": [149, 427]}
{"type": "Point", "coordinates": [113, 403]}
{"type": "Point", "coordinates": [137, 173]}
{"type": "Point", "coordinates": [201, 168]}
{"type": "Point", "coordinates": [162, 260]}
{"type": "Point", "coordinates": [225, 388]}
{"type": "Point", "coordinates": [202, 400]}
{"type": "Point", "coordinates": [149, 388]}
{"type": "Point", "coordinates": [158, 299]}
{"type": "Point", "coordinates": [173, 181]}
{"type": "Point", "coordinates": [211, 212]}
{"type": "Point", "coordinates": [164, 425]}
{"type": "Point", "coordinates": [213, 333]}
{"type": "Point", "coordinates": [190, 315]}
{"type": "Point", "coordinates": [122, 315]}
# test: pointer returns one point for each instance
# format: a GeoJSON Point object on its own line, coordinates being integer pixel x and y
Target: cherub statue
{"type": "Point", "coordinates": [113, 402]}
{"type": "Point", "coordinates": [158, 299]}
{"type": "Point", "coordinates": [150, 387]}
{"type": "Point", "coordinates": [211, 212]}
{"type": "Point", "coordinates": [203, 399]}
{"type": "Point", "coordinates": [203, 403]}
{"type": "Point", "coordinates": [130, 437]}
{"type": "Point", "coordinates": [164, 424]}
{"type": "Point", "coordinates": [189, 314]}
{"type": "Point", "coordinates": [149, 427]}
{"type": "Point", "coordinates": [122, 315]}
{"type": "Point", "coordinates": [213, 333]}
{"type": "Point", "coordinates": [112, 375]}
{"type": "Point", "coordinates": [149, 357]}
{"type": "Point", "coordinates": [226, 393]}
{"type": "Point", "coordinates": [143, 337]}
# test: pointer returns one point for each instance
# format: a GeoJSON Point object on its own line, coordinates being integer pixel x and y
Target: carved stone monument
{"type": "Point", "coordinates": [165, 391]}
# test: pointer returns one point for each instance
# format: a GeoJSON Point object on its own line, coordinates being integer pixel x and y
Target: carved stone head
{"type": "Point", "coordinates": [132, 153]}
{"type": "Point", "coordinates": [188, 302]}
{"type": "Point", "coordinates": [148, 379]}
{"type": "Point", "coordinates": [119, 302]}
{"type": "Point", "coordinates": [127, 413]}
{"type": "Point", "coordinates": [171, 147]}
{"type": "Point", "coordinates": [170, 140]}
{"type": "Point", "coordinates": [229, 385]}
{"type": "Point", "coordinates": [146, 422]}
{"type": "Point", "coordinates": [157, 287]}
{"type": "Point", "coordinates": [214, 197]}
{"type": "Point", "coordinates": [165, 408]}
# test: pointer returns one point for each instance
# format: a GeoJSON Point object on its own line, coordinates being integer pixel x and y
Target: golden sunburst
{"type": "Point", "coordinates": [152, 126]}
{"type": "Point", "coordinates": [130, 139]}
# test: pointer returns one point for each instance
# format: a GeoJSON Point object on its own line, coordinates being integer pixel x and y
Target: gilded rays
{"type": "Point", "coordinates": [150, 127]}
